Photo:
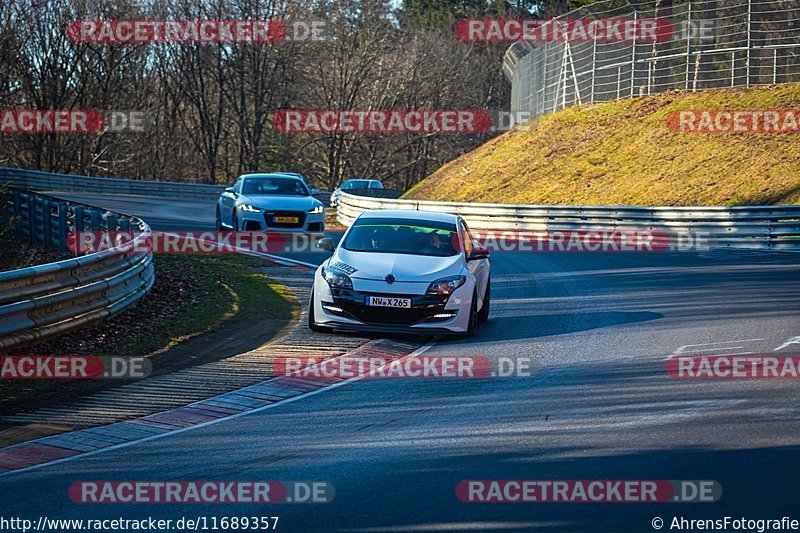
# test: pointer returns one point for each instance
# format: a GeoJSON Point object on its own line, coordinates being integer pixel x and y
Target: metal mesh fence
{"type": "Point", "coordinates": [713, 44]}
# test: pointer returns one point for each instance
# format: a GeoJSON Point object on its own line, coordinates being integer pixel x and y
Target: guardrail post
{"type": "Point", "coordinates": [47, 225]}
{"type": "Point", "coordinates": [80, 213]}
{"type": "Point", "coordinates": [63, 226]}
{"type": "Point", "coordinates": [17, 211]}
{"type": "Point", "coordinates": [97, 220]}
{"type": "Point", "coordinates": [112, 223]}
{"type": "Point", "coordinates": [31, 219]}
{"type": "Point", "coordinates": [125, 226]}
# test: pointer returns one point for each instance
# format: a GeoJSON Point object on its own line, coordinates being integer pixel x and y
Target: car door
{"type": "Point", "coordinates": [480, 267]}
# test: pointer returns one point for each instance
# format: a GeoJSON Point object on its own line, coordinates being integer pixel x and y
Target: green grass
{"type": "Point", "coordinates": [623, 153]}
{"type": "Point", "coordinates": [230, 291]}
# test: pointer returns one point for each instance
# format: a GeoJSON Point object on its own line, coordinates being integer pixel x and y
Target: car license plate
{"type": "Point", "coordinates": [379, 301]}
{"type": "Point", "coordinates": [287, 220]}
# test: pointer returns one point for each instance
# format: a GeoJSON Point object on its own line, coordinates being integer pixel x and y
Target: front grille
{"type": "Point", "coordinates": [269, 218]}
{"type": "Point", "coordinates": [423, 308]}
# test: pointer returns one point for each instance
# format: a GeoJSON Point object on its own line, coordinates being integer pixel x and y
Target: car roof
{"type": "Point", "coordinates": [272, 175]}
{"type": "Point", "coordinates": [410, 214]}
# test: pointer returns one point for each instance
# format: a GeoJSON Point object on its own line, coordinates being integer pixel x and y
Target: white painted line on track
{"type": "Point", "coordinates": [793, 340]}
{"type": "Point", "coordinates": [415, 353]}
{"type": "Point", "coordinates": [726, 346]}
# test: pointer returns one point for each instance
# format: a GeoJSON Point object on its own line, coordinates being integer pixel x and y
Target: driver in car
{"type": "Point", "coordinates": [378, 240]}
{"type": "Point", "coordinates": [435, 245]}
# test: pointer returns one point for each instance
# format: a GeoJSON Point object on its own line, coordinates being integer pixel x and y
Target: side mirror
{"type": "Point", "coordinates": [314, 192]}
{"type": "Point", "coordinates": [230, 189]}
{"type": "Point", "coordinates": [326, 243]}
{"type": "Point", "coordinates": [478, 253]}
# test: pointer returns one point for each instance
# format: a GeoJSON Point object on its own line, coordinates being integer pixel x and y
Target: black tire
{"type": "Point", "coordinates": [473, 317]}
{"type": "Point", "coordinates": [483, 314]}
{"type": "Point", "coordinates": [219, 222]}
{"type": "Point", "coordinates": [312, 325]}
{"type": "Point", "coordinates": [234, 221]}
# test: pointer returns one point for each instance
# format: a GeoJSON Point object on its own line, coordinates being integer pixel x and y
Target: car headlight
{"type": "Point", "coordinates": [249, 208]}
{"type": "Point", "coordinates": [317, 210]}
{"type": "Point", "coordinates": [446, 285]}
{"type": "Point", "coordinates": [337, 280]}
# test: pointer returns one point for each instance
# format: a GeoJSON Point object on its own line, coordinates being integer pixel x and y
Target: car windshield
{"type": "Point", "coordinates": [274, 185]}
{"type": "Point", "coordinates": [375, 185]}
{"type": "Point", "coordinates": [403, 237]}
{"type": "Point", "coordinates": [355, 184]}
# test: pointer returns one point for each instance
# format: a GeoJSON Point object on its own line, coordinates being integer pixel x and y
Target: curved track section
{"type": "Point", "coordinates": [599, 405]}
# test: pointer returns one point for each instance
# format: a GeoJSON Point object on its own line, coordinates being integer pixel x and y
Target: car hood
{"type": "Point", "coordinates": [377, 266]}
{"type": "Point", "coordinates": [276, 201]}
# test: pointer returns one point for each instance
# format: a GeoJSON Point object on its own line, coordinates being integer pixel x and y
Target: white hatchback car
{"type": "Point", "coordinates": [400, 271]}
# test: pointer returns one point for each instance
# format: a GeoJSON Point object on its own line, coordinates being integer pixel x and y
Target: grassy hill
{"type": "Point", "coordinates": [623, 153]}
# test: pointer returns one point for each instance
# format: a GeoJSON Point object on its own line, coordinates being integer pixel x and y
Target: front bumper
{"type": "Point", "coordinates": [265, 220]}
{"type": "Point", "coordinates": [428, 315]}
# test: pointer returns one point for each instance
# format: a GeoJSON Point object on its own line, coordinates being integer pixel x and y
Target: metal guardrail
{"type": "Point", "coordinates": [376, 193]}
{"type": "Point", "coordinates": [43, 301]}
{"type": "Point", "coordinates": [45, 181]}
{"type": "Point", "coordinates": [760, 227]}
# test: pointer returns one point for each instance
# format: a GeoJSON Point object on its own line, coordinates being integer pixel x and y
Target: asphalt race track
{"type": "Point", "coordinates": [598, 405]}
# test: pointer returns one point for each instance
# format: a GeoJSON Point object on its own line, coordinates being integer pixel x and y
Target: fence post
{"type": "Point", "coordinates": [749, 32]}
{"type": "Point", "coordinates": [688, 42]}
{"type": "Point", "coordinates": [619, 81]}
{"type": "Point", "coordinates": [733, 68]}
{"type": "Point", "coordinates": [774, 66]}
{"type": "Point", "coordinates": [544, 81]}
{"type": "Point", "coordinates": [594, 72]}
{"type": "Point", "coordinates": [633, 52]}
